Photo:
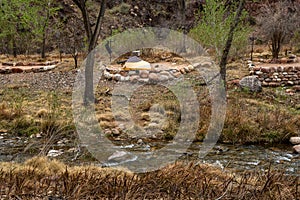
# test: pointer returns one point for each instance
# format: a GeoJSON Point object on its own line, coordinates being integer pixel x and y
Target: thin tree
{"type": "Point", "coordinates": [219, 29]}
{"type": "Point", "coordinates": [228, 44]}
{"type": "Point", "coordinates": [92, 36]}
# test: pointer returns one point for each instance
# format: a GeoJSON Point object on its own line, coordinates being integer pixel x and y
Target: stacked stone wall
{"type": "Point", "coordinates": [277, 75]}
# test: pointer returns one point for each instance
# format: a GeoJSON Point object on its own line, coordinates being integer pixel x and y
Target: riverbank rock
{"type": "Point", "coordinates": [295, 140]}
{"type": "Point", "coordinates": [250, 83]}
{"type": "Point", "coordinates": [296, 148]}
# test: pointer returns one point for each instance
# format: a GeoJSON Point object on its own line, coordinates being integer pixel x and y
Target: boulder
{"type": "Point", "coordinates": [251, 83]}
{"type": "Point", "coordinates": [296, 148]}
{"type": "Point", "coordinates": [295, 140]}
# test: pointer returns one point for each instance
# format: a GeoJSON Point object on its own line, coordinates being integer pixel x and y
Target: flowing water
{"type": "Point", "coordinates": [237, 157]}
{"type": "Point", "coordinates": [234, 157]}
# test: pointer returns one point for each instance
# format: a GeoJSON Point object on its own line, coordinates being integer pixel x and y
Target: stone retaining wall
{"type": "Point", "coordinates": [277, 76]}
{"type": "Point", "coordinates": [22, 67]}
{"type": "Point", "coordinates": [158, 73]}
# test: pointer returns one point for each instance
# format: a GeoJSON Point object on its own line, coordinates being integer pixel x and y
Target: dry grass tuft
{"type": "Point", "coordinates": [40, 178]}
{"type": "Point", "coordinates": [42, 113]}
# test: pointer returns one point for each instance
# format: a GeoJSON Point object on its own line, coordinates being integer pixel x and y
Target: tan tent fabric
{"type": "Point", "coordinates": [135, 63]}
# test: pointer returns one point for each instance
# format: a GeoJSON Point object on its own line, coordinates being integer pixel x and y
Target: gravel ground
{"type": "Point", "coordinates": [40, 81]}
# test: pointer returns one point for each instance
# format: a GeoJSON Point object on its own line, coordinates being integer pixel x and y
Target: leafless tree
{"type": "Point", "coordinates": [70, 38]}
{"type": "Point", "coordinates": [278, 22]}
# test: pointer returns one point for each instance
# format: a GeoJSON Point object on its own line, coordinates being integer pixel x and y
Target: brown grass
{"type": "Point", "coordinates": [40, 178]}
{"type": "Point", "coordinates": [257, 119]}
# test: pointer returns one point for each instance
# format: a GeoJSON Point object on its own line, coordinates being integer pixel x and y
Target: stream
{"type": "Point", "coordinates": [238, 158]}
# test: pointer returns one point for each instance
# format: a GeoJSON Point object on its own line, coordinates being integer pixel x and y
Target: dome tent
{"type": "Point", "coordinates": [136, 63]}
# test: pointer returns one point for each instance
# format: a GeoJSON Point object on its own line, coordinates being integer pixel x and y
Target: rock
{"type": "Point", "coordinates": [182, 71]}
{"type": "Point", "coordinates": [251, 83]}
{"type": "Point", "coordinates": [144, 80]}
{"type": "Point", "coordinates": [280, 69]}
{"type": "Point", "coordinates": [273, 84]}
{"type": "Point", "coordinates": [153, 77]}
{"type": "Point", "coordinates": [107, 75]}
{"type": "Point", "coordinates": [268, 80]}
{"type": "Point", "coordinates": [117, 77]}
{"type": "Point", "coordinates": [296, 148]}
{"type": "Point", "coordinates": [290, 91]}
{"type": "Point", "coordinates": [264, 83]}
{"type": "Point", "coordinates": [3, 131]}
{"type": "Point", "coordinates": [54, 153]}
{"type": "Point", "coordinates": [132, 73]}
{"type": "Point", "coordinates": [296, 88]}
{"type": "Point", "coordinates": [186, 69]}
{"type": "Point", "coordinates": [17, 70]}
{"type": "Point", "coordinates": [292, 56]}
{"type": "Point", "coordinates": [115, 132]}
{"type": "Point", "coordinates": [165, 73]}
{"type": "Point", "coordinates": [123, 78]}
{"type": "Point", "coordinates": [191, 67]}
{"type": "Point", "coordinates": [295, 140]}
{"type": "Point", "coordinates": [265, 69]}
{"type": "Point", "coordinates": [283, 60]}
{"type": "Point", "coordinates": [258, 73]}
{"type": "Point", "coordinates": [140, 142]}
{"type": "Point", "coordinates": [134, 78]}
{"type": "Point", "coordinates": [117, 154]}
{"type": "Point", "coordinates": [234, 82]}
{"type": "Point", "coordinates": [120, 157]}
{"type": "Point", "coordinates": [124, 73]}
{"type": "Point", "coordinates": [144, 73]}
{"type": "Point", "coordinates": [163, 78]}
{"type": "Point", "coordinates": [122, 127]}
{"type": "Point", "coordinates": [177, 74]}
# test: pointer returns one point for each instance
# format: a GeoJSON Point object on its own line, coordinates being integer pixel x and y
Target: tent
{"type": "Point", "coordinates": [135, 63]}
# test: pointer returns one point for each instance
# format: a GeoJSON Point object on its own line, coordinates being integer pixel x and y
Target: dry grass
{"type": "Point", "coordinates": [40, 178]}
{"type": "Point", "coordinates": [259, 118]}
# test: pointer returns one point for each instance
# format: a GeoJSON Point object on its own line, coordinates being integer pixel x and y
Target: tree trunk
{"type": "Point", "coordinates": [86, 20]}
{"type": "Point", "coordinates": [92, 42]}
{"type": "Point", "coordinates": [276, 40]}
{"type": "Point", "coordinates": [227, 47]}
{"type": "Point", "coordinates": [96, 34]}
{"type": "Point", "coordinates": [43, 53]}
{"type": "Point", "coordinates": [89, 89]}
{"type": "Point", "coordinates": [14, 47]}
